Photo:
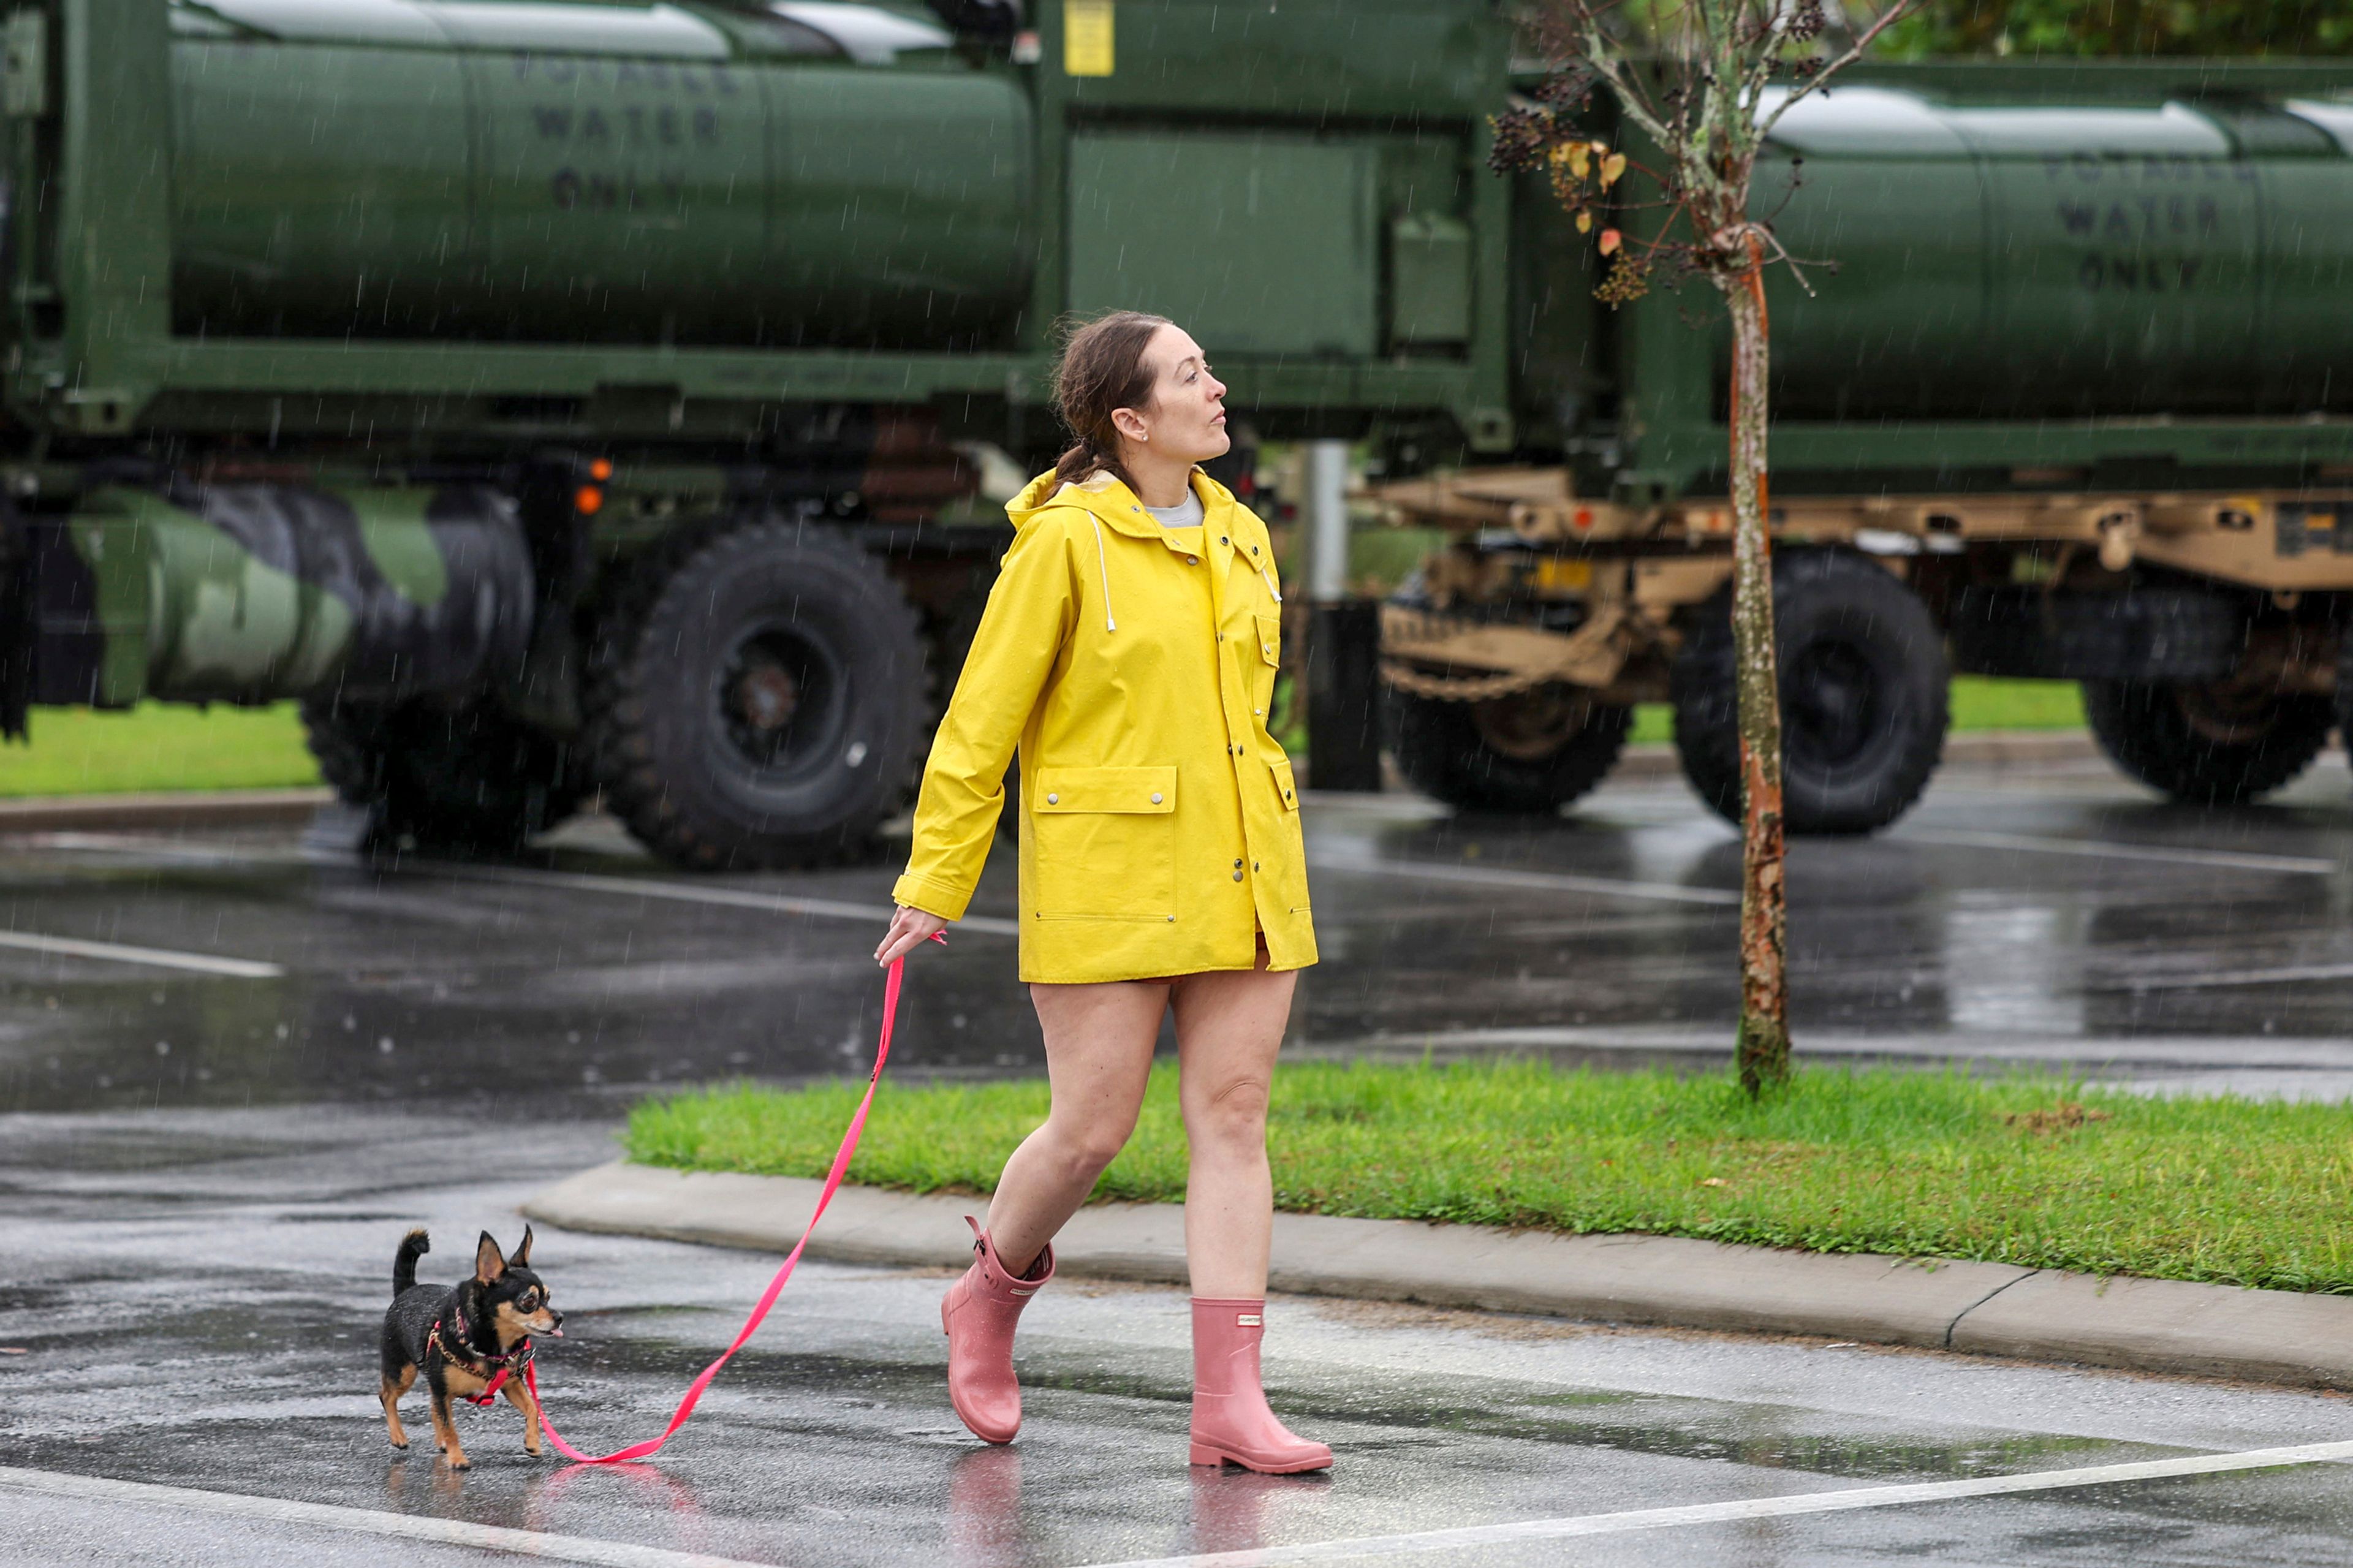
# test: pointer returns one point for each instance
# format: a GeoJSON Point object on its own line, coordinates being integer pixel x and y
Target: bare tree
{"type": "Point", "coordinates": [1700, 85]}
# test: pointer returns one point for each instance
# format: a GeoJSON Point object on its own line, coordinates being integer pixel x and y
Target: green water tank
{"type": "Point", "coordinates": [2023, 260]}
{"type": "Point", "coordinates": [797, 175]}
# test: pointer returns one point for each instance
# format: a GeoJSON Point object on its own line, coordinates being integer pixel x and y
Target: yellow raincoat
{"type": "Point", "coordinates": [1134, 668]}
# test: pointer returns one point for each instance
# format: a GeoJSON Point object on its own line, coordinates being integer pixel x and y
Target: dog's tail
{"type": "Point", "coordinates": [413, 1247]}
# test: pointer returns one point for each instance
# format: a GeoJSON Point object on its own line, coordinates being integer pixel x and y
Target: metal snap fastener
{"type": "Point", "coordinates": [1223, 540]}
{"type": "Point", "coordinates": [1053, 800]}
{"type": "Point", "coordinates": [1238, 865]}
{"type": "Point", "coordinates": [1253, 865]}
{"type": "Point", "coordinates": [1238, 874]}
{"type": "Point", "coordinates": [1192, 561]}
{"type": "Point", "coordinates": [1156, 797]}
{"type": "Point", "coordinates": [1253, 549]}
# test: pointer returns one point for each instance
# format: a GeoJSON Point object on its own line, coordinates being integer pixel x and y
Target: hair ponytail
{"type": "Point", "coordinates": [1102, 370]}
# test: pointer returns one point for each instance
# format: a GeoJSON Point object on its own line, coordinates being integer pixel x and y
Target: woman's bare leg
{"type": "Point", "coordinates": [1099, 1042]}
{"type": "Point", "coordinates": [1229, 1024]}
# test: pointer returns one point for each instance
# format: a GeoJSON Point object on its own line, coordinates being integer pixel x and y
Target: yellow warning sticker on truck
{"type": "Point", "coordinates": [1087, 37]}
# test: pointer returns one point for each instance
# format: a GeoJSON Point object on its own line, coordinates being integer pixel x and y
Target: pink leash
{"type": "Point", "coordinates": [776, 1286]}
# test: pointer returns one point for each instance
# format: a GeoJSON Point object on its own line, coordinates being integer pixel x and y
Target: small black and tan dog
{"type": "Point", "coordinates": [464, 1336]}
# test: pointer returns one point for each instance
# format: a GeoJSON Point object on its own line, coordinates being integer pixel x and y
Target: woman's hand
{"type": "Point", "coordinates": [909, 929]}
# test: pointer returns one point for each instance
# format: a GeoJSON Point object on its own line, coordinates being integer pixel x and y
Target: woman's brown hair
{"type": "Point", "coordinates": [1103, 369]}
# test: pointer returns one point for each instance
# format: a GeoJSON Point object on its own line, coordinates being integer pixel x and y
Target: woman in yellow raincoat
{"type": "Point", "coordinates": [1128, 655]}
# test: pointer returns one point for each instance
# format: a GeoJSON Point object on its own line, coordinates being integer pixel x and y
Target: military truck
{"type": "Point", "coordinates": [2073, 403]}
{"type": "Point", "coordinates": [580, 397]}
{"type": "Point", "coordinates": [568, 395]}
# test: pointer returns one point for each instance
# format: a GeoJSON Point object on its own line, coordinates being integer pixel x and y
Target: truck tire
{"type": "Point", "coordinates": [1533, 752]}
{"type": "Point", "coordinates": [2203, 743]}
{"type": "Point", "coordinates": [757, 699]}
{"type": "Point", "coordinates": [468, 779]}
{"type": "Point", "coordinates": [1863, 696]}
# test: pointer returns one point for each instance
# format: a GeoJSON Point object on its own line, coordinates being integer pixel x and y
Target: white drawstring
{"type": "Point", "coordinates": [1104, 567]}
{"type": "Point", "coordinates": [1269, 584]}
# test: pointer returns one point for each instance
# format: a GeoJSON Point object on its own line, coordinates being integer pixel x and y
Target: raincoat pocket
{"type": "Point", "coordinates": [1269, 662]}
{"type": "Point", "coordinates": [1290, 884]}
{"type": "Point", "coordinates": [1102, 845]}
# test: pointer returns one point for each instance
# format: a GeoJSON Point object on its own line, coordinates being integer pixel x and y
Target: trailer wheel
{"type": "Point", "coordinates": [1863, 696]}
{"type": "Point", "coordinates": [471, 779]}
{"type": "Point", "coordinates": [2207, 742]}
{"type": "Point", "coordinates": [1535, 751]}
{"type": "Point", "coordinates": [757, 699]}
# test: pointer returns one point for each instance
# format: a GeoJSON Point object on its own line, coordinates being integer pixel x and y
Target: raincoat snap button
{"type": "Point", "coordinates": [1156, 797]}
{"type": "Point", "coordinates": [1192, 561]}
{"type": "Point", "coordinates": [1053, 800]}
{"type": "Point", "coordinates": [1223, 540]}
{"type": "Point", "coordinates": [1253, 549]}
{"type": "Point", "coordinates": [1238, 876]}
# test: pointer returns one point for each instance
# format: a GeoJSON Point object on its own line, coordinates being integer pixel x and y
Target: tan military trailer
{"type": "Point", "coordinates": [2067, 392]}
{"type": "Point", "coordinates": [2204, 628]}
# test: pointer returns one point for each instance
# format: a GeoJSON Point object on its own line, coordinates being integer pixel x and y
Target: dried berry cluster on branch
{"type": "Point", "coordinates": [1699, 84]}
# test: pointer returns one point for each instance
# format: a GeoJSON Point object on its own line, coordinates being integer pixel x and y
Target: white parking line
{"type": "Point", "coordinates": [157, 957]}
{"type": "Point", "coordinates": [369, 1521]}
{"type": "Point", "coordinates": [622, 1555]}
{"type": "Point", "coordinates": [2287, 975]}
{"type": "Point", "coordinates": [690, 893]}
{"type": "Point", "coordinates": [2227, 859]}
{"type": "Point", "coordinates": [1748, 1508]}
{"type": "Point", "coordinates": [579, 881]}
{"type": "Point", "coordinates": [1534, 881]}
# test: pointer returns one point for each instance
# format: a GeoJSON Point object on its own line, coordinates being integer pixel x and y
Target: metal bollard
{"type": "Point", "coordinates": [1344, 636]}
{"type": "Point", "coordinates": [1344, 688]}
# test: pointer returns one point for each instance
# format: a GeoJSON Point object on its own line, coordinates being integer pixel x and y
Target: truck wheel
{"type": "Point", "coordinates": [757, 699]}
{"type": "Point", "coordinates": [1863, 698]}
{"type": "Point", "coordinates": [2203, 742]}
{"type": "Point", "coordinates": [471, 779]}
{"type": "Point", "coordinates": [1535, 751]}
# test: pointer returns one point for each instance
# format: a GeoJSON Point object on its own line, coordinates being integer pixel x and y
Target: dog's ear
{"type": "Point", "coordinates": [488, 1264]}
{"type": "Point", "coordinates": [521, 1259]}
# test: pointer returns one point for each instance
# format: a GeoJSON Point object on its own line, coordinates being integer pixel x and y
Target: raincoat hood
{"type": "Point", "coordinates": [1104, 496]}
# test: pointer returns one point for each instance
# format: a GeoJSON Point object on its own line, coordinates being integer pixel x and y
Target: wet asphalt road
{"type": "Point", "coordinates": [205, 1173]}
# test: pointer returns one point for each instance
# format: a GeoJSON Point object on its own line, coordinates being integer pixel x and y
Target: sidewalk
{"type": "Point", "coordinates": [191, 808]}
{"type": "Point", "coordinates": [1988, 1308]}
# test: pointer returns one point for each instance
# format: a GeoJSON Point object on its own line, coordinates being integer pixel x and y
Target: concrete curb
{"type": "Point", "coordinates": [207, 808]}
{"type": "Point", "coordinates": [2269, 1336]}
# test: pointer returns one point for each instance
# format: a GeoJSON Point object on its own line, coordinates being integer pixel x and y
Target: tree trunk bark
{"type": "Point", "coordinates": [1762, 1048]}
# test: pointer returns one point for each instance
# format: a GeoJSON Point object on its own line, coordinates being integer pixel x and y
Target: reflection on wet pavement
{"type": "Point", "coordinates": [2073, 923]}
{"type": "Point", "coordinates": [205, 1317]}
{"type": "Point", "coordinates": [205, 1174]}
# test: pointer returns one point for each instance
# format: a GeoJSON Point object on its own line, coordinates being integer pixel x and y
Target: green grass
{"type": "Point", "coordinates": [1980, 702]}
{"type": "Point", "coordinates": [77, 751]}
{"type": "Point", "coordinates": [156, 746]}
{"type": "Point", "coordinates": [1914, 1165]}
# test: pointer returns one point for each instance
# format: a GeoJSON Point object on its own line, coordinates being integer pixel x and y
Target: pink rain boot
{"type": "Point", "coordinates": [1231, 1421]}
{"type": "Point", "coordinates": [977, 1316]}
